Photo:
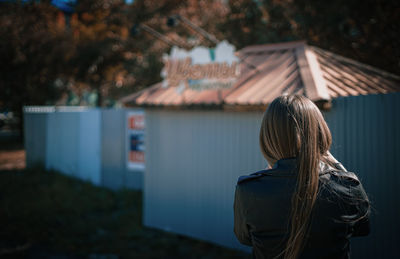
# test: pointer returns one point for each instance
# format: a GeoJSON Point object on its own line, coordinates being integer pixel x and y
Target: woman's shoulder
{"type": "Point", "coordinates": [342, 191]}
{"type": "Point", "coordinates": [254, 176]}
{"type": "Point", "coordinates": [337, 174]}
{"type": "Point", "coordinates": [283, 168]}
{"type": "Point", "coordinates": [266, 188]}
{"type": "Point", "coordinates": [342, 183]}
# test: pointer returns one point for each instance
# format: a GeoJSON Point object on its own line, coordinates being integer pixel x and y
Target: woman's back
{"type": "Point", "coordinates": [305, 207]}
{"type": "Point", "coordinates": [262, 211]}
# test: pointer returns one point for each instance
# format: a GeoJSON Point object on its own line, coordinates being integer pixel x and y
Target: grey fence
{"type": "Point", "coordinates": [193, 161]}
{"type": "Point", "coordinates": [366, 138]}
{"type": "Point", "coordinates": [195, 157]}
{"type": "Point", "coordinates": [114, 141]}
{"type": "Point", "coordinates": [87, 143]}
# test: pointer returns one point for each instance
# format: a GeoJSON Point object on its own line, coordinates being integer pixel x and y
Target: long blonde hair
{"type": "Point", "coordinates": [293, 126]}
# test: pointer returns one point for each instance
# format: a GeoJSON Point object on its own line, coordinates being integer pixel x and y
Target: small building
{"type": "Point", "coordinates": [199, 142]}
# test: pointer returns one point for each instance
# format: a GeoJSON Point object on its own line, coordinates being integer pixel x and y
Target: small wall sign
{"type": "Point", "coordinates": [135, 139]}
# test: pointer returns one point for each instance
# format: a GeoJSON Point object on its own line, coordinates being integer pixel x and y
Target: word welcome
{"type": "Point", "coordinates": [180, 70]}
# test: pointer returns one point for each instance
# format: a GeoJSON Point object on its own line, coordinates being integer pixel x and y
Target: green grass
{"type": "Point", "coordinates": [68, 216]}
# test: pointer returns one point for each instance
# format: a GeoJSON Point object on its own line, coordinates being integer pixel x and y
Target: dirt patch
{"type": "Point", "coordinates": [12, 159]}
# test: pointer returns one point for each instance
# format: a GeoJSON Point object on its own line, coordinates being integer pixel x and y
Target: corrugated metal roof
{"type": "Point", "coordinates": [346, 77]}
{"type": "Point", "coordinates": [268, 71]}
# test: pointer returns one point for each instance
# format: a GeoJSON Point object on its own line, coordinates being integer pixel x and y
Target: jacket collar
{"type": "Point", "coordinates": [286, 167]}
{"type": "Point", "coordinates": [286, 164]}
{"type": "Point", "coordinates": [289, 165]}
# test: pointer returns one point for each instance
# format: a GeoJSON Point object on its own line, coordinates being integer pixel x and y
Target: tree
{"type": "Point", "coordinates": [366, 31]}
{"type": "Point", "coordinates": [33, 50]}
{"type": "Point", "coordinates": [49, 56]}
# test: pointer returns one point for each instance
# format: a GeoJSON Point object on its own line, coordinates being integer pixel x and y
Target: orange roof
{"type": "Point", "coordinates": [268, 71]}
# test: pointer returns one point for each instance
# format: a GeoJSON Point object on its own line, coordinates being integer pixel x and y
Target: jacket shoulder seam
{"type": "Point", "coordinates": [256, 175]}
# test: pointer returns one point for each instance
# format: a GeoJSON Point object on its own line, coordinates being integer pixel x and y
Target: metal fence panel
{"type": "Point", "coordinates": [63, 142]}
{"type": "Point", "coordinates": [113, 149]}
{"type": "Point", "coordinates": [195, 157]}
{"type": "Point", "coordinates": [89, 166]}
{"type": "Point", "coordinates": [365, 132]}
{"type": "Point", "coordinates": [35, 138]}
{"type": "Point", "coordinates": [83, 142]}
{"type": "Point", "coordinates": [66, 139]}
{"type": "Point", "coordinates": [73, 144]}
{"type": "Point", "coordinates": [114, 158]}
{"type": "Point", "coordinates": [193, 160]}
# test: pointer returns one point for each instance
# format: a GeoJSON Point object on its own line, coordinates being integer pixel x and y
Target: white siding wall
{"type": "Point", "coordinates": [73, 144]}
{"type": "Point", "coordinates": [115, 174]}
{"type": "Point", "coordinates": [35, 138]}
{"type": "Point", "coordinates": [89, 144]}
{"type": "Point", "coordinates": [194, 159]}
{"type": "Point", "coordinates": [366, 138]}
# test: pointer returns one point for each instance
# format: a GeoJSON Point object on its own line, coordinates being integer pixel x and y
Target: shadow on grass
{"type": "Point", "coordinates": [49, 215]}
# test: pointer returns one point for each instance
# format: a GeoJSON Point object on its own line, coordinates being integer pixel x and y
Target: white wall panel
{"type": "Point", "coordinates": [65, 139]}
{"type": "Point", "coordinates": [195, 157]}
{"type": "Point", "coordinates": [35, 138]}
{"type": "Point", "coordinates": [89, 149]}
{"type": "Point", "coordinates": [115, 174]}
{"type": "Point", "coordinates": [63, 142]}
{"type": "Point", "coordinates": [365, 131]}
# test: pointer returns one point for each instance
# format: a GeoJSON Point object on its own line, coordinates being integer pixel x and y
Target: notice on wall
{"type": "Point", "coordinates": [135, 139]}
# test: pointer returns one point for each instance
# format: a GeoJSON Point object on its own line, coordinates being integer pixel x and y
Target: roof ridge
{"type": "Point", "coordinates": [271, 47]}
{"type": "Point", "coordinates": [354, 62]}
{"type": "Point", "coordinates": [311, 75]}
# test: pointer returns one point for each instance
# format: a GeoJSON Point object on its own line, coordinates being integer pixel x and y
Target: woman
{"type": "Point", "coordinates": [307, 205]}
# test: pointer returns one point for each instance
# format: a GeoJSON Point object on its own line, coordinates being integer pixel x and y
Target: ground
{"type": "Point", "coordinates": [12, 156]}
{"type": "Point", "coordinates": [45, 214]}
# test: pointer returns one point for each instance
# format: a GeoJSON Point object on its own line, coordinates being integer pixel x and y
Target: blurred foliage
{"type": "Point", "coordinates": [47, 213]}
{"type": "Point", "coordinates": [367, 31]}
{"type": "Point", "coordinates": [96, 54]}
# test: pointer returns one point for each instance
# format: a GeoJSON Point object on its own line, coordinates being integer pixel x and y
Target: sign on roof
{"type": "Point", "coordinates": [201, 68]}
